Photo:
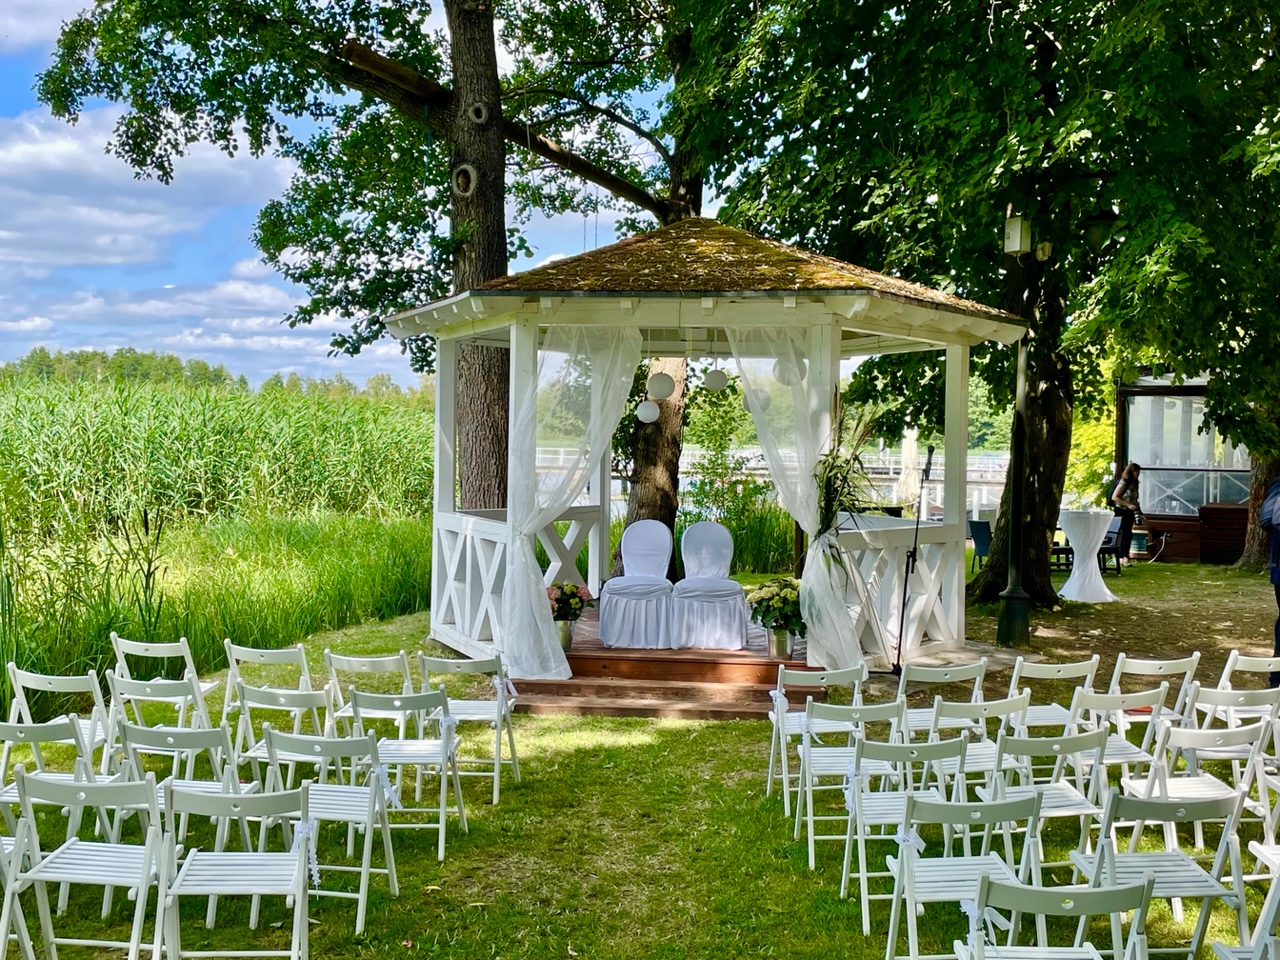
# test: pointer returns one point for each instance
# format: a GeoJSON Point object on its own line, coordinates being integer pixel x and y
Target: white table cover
{"type": "Point", "coordinates": [635, 608]}
{"type": "Point", "coordinates": [709, 611]}
{"type": "Point", "coordinates": [1086, 530]}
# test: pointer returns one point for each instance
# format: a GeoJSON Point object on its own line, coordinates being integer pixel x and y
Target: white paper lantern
{"type": "Point", "coordinates": [715, 380]}
{"type": "Point", "coordinates": [788, 373]}
{"type": "Point", "coordinates": [661, 386]}
{"type": "Point", "coordinates": [647, 411]}
{"type": "Point", "coordinates": [758, 401]}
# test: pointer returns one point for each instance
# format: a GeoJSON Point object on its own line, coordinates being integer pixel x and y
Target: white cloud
{"type": "Point", "coordinates": [68, 203]}
{"type": "Point", "coordinates": [30, 23]}
{"type": "Point", "coordinates": [26, 325]}
{"type": "Point", "coordinates": [251, 268]}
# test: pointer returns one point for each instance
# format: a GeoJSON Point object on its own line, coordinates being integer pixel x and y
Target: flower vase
{"type": "Point", "coordinates": [565, 629]}
{"type": "Point", "coordinates": [779, 642]}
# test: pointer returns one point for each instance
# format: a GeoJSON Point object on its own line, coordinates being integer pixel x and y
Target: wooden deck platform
{"type": "Point", "coordinates": [693, 684]}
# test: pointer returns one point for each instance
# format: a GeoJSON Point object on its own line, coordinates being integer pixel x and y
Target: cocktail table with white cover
{"type": "Point", "coordinates": [1086, 530]}
{"type": "Point", "coordinates": [635, 608]}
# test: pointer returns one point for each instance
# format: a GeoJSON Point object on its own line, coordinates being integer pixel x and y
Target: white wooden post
{"type": "Point", "coordinates": [522, 476]}
{"type": "Point", "coordinates": [598, 559]}
{"type": "Point", "coordinates": [954, 484]}
{"type": "Point", "coordinates": [824, 374]}
{"type": "Point", "coordinates": [445, 481]}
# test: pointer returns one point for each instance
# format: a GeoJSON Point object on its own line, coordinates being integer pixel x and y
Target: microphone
{"type": "Point", "coordinates": [928, 462]}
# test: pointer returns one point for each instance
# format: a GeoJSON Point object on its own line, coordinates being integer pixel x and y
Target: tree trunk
{"type": "Point", "coordinates": [1257, 546]}
{"type": "Point", "coordinates": [1050, 397]}
{"type": "Point", "coordinates": [479, 228]}
{"type": "Point", "coordinates": [655, 477]}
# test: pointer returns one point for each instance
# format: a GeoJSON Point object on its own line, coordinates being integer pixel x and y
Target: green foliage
{"type": "Point", "coordinates": [990, 424]}
{"type": "Point", "coordinates": [1093, 449]}
{"type": "Point", "coordinates": [79, 459]}
{"type": "Point", "coordinates": [776, 606]}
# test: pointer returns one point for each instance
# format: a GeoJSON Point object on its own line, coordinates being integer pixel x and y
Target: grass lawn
{"type": "Point", "coordinates": [633, 838]}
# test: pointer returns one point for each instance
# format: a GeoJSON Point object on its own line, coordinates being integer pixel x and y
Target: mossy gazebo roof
{"type": "Point", "coordinates": [678, 281]}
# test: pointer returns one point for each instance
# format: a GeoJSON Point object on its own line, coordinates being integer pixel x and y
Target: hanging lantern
{"type": "Point", "coordinates": [715, 380]}
{"type": "Point", "coordinates": [661, 386]}
{"type": "Point", "coordinates": [788, 372]}
{"type": "Point", "coordinates": [758, 401]}
{"type": "Point", "coordinates": [647, 411]}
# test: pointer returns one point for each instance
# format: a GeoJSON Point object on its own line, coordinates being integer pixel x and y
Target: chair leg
{"type": "Point", "coordinates": [366, 864]}
{"type": "Point", "coordinates": [444, 812]}
{"type": "Point", "coordinates": [511, 744]}
{"type": "Point", "coordinates": [46, 921]}
{"type": "Point", "coordinates": [773, 759]}
{"type": "Point", "coordinates": [497, 760]}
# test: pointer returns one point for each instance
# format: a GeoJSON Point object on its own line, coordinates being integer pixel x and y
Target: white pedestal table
{"type": "Point", "coordinates": [1086, 530]}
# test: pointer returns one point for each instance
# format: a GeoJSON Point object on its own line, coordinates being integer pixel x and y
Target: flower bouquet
{"type": "Point", "coordinates": [775, 605]}
{"type": "Point", "coordinates": [568, 600]}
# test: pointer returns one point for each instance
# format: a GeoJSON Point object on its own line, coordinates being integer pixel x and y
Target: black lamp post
{"type": "Point", "coordinates": [1014, 628]}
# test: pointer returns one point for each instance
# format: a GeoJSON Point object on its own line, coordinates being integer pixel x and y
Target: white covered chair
{"type": "Point", "coordinates": [708, 610]}
{"type": "Point", "coordinates": [635, 608]}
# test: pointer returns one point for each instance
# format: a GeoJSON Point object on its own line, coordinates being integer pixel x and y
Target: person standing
{"type": "Point", "coordinates": [1269, 517]}
{"type": "Point", "coordinates": [1125, 497]}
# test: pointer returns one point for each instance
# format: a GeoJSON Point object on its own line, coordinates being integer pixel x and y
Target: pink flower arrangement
{"type": "Point", "coordinates": [567, 600]}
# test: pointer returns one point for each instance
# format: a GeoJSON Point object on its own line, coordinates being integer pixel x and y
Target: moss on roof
{"type": "Point", "coordinates": [706, 256]}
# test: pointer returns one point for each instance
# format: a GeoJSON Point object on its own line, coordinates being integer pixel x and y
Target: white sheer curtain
{"type": "Point", "coordinates": [584, 376]}
{"type": "Point", "coordinates": [790, 406]}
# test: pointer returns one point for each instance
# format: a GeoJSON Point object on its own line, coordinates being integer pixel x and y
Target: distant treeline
{"type": "Point", "coordinates": [128, 364]}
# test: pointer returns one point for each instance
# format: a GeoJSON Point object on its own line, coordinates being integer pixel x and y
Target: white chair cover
{"type": "Point", "coordinates": [708, 610]}
{"type": "Point", "coordinates": [635, 608]}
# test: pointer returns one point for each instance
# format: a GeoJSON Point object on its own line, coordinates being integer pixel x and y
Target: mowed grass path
{"type": "Point", "coordinates": [636, 838]}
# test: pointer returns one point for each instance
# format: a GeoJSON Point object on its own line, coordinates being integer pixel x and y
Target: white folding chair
{"type": "Point", "coordinates": [878, 801]}
{"type": "Point", "coordinates": [1266, 936]}
{"type": "Point", "coordinates": [919, 718]}
{"type": "Point", "coordinates": [248, 872]}
{"type": "Point", "coordinates": [496, 712]}
{"type": "Point", "coordinates": [95, 733]}
{"type": "Point", "coordinates": [129, 697]}
{"type": "Point", "coordinates": [1177, 673]}
{"type": "Point", "coordinates": [984, 720]}
{"type": "Point", "coordinates": [952, 878]}
{"type": "Point", "coordinates": [1178, 875]}
{"type": "Point", "coordinates": [306, 711]}
{"type": "Point", "coordinates": [239, 657]}
{"type": "Point", "coordinates": [1114, 711]}
{"type": "Point", "coordinates": [35, 737]}
{"type": "Point", "coordinates": [1052, 713]}
{"type": "Point", "coordinates": [187, 748]}
{"type": "Point", "coordinates": [12, 927]}
{"type": "Point", "coordinates": [786, 724]}
{"type": "Point", "coordinates": [179, 651]}
{"type": "Point", "coordinates": [708, 610]}
{"type": "Point", "coordinates": [836, 761]}
{"type": "Point", "coordinates": [109, 863]}
{"type": "Point", "coordinates": [362, 807]}
{"type": "Point", "coordinates": [413, 748]}
{"type": "Point", "coordinates": [1073, 901]}
{"type": "Point", "coordinates": [391, 671]}
{"type": "Point", "coordinates": [635, 608]}
{"type": "Point", "coordinates": [1072, 788]}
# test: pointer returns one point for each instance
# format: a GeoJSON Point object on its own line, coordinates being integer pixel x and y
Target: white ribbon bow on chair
{"type": "Point", "coordinates": [304, 831]}
{"type": "Point", "coordinates": [912, 840]}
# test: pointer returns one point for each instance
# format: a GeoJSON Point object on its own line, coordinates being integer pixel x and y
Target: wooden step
{"type": "Point", "coordinates": [691, 666]}
{"type": "Point", "coordinates": [631, 707]}
{"type": "Point", "coordinates": [690, 691]}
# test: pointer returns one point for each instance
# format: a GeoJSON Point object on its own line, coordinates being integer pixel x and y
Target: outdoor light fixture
{"type": "Point", "coordinates": [661, 386]}
{"type": "Point", "coordinates": [1097, 229]}
{"type": "Point", "coordinates": [1017, 236]}
{"type": "Point", "coordinates": [788, 372]}
{"type": "Point", "coordinates": [715, 379]}
{"type": "Point", "coordinates": [647, 411]}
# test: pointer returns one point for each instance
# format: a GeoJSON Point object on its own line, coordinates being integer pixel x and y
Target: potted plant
{"type": "Point", "coordinates": [568, 600]}
{"type": "Point", "coordinates": [775, 605]}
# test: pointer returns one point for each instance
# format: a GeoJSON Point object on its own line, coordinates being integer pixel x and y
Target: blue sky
{"type": "Point", "coordinates": [92, 258]}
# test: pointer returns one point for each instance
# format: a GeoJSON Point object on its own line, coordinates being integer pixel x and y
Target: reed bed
{"type": "Point", "coordinates": [167, 510]}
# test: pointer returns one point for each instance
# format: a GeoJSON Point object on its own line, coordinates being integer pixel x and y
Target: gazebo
{"type": "Point", "coordinates": [578, 327]}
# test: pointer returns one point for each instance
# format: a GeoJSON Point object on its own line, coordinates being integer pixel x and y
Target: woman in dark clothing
{"type": "Point", "coordinates": [1125, 496]}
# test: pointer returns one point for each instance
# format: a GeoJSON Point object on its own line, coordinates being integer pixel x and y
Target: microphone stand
{"type": "Point", "coordinates": [909, 566]}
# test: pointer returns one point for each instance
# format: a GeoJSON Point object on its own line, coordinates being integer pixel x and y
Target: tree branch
{"type": "Point", "coordinates": [605, 112]}
{"type": "Point", "coordinates": [438, 100]}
